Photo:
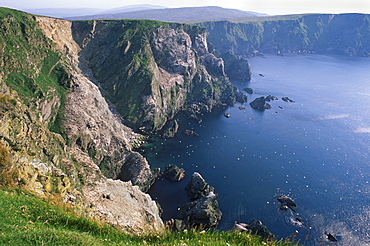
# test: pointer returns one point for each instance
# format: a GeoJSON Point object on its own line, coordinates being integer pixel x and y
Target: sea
{"type": "Point", "coordinates": [315, 150]}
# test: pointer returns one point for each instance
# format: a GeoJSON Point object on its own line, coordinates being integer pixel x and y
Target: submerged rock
{"type": "Point", "coordinates": [191, 133]}
{"type": "Point", "coordinates": [198, 187]}
{"type": "Point", "coordinates": [174, 173]}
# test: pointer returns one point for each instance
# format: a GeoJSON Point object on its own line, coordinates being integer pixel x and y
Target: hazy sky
{"type": "Point", "coordinates": [263, 6]}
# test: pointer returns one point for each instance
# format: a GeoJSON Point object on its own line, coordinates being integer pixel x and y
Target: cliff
{"type": "Point", "coordinates": [150, 71]}
{"type": "Point", "coordinates": [344, 34]}
{"type": "Point", "coordinates": [56, 129]}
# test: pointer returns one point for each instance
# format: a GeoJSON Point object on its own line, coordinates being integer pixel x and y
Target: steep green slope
{"type": "Point", "coordinates": [33, 82]}
{"type": "Point", "coordinates": [32, 67]}
{"type": "Point", "coordinates": [153, 70]}
{"type": "Point", "coordinates": [345, 34]}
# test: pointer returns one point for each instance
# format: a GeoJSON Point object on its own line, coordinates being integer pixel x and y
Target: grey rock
{"type": "Point", "coordinates": [256, 227]}
{"type": "Point", "coordinates": [198, 187]}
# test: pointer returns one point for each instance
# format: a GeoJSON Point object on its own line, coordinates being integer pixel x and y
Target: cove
{"type": "Point", "coordinates": [315, 150]}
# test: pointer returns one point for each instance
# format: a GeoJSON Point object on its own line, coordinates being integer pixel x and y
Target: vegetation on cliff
{"type": "Point", "coordinates": [152, 70]}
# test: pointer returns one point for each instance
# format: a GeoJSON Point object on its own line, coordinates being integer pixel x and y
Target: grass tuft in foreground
{"type": "Point", "coordinates": [29, 220]}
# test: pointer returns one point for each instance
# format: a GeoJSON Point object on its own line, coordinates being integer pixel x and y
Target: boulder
{"type": "Point", "coordinates": [174, 173]}
{"type": "Point", "coordinates": [248, 90]}
{"type": "Point", "coordinates": [286, 202]}
{"type": "Point", "coordinates": [240, 96]}
{"type": "Point", "coordinates": [260, 104]}
{"type": "Point", "coordinates": [255, 227]}
{"type": "Point", "coordinates": [287, 99]}
{"type": "Point", "coordinates": [204, 212]}
{"type": "Point", "coordinates": [198, 187]}
{"type": "Point", "coordinates": [270, 98]}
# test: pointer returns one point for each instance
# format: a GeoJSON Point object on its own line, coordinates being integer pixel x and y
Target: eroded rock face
{"type": "Point", "coordinates": [124, 205]}
{"type": "Point", "coordinates": [100, 144]}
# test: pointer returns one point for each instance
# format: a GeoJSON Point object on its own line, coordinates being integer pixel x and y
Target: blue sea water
{"type": "Point", "coordinates": [315, 150]}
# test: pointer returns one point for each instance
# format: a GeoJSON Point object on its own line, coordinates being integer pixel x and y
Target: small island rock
{"type": "Point", "coordinates": [260, 104]}
{"type": "Point", "coordinates": [174, 173]}
{"type": "Point", "coordinates": [287, 99]}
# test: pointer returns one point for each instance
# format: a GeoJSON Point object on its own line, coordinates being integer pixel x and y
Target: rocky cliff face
{"type": "Point", "coordinates": [151, 70]}
{"type": "Point", "coordinates": [56, 129]}
{"type": "Point", "coordinates": [345, 34]}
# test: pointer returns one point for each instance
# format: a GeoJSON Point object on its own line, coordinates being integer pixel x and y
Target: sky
{"type": "Point", "coordinates": [272, 7]}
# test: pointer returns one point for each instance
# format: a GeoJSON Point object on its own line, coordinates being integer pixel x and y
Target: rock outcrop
{"type": "Point", "coordinates": [260, 104]}
{"type": "Point", "coordinates": [204, 210]}
{"type": "Point", "coordinates": [198, 187]}
{"type": "Point", "coordinates": [173, 173]}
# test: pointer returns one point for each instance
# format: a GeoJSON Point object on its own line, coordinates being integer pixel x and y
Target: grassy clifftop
{"type": "Point", "coordinates": [29, 220]}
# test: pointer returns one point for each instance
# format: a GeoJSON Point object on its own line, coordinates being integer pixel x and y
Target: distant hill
{"type": "Point", "coordinates": [68, 12]}
{"type": "Point", "coordinates": [132, 8]}
{"type": "Point", "coordinates": [181, 15]}
{"type": "Point", "coordinates": [63, 12]}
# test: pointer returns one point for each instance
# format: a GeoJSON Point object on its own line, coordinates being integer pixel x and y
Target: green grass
{"type": "Point", "coordinates": [32, 66]}
{"type": "Point", "coordinates": [29, 220]}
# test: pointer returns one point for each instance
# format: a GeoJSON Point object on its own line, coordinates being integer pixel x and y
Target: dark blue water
{"type": "Point", "coordinates": [315, 150]}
